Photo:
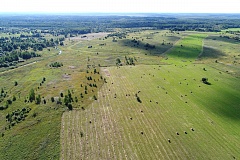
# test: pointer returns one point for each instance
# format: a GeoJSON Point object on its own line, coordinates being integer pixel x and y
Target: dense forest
{"type": "Point", "coordinates": [81, 23]}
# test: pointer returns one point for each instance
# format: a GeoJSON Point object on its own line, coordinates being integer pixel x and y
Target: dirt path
{"type": "Point", "coordinates": [19, 67]}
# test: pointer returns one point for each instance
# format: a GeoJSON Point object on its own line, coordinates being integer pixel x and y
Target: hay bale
{"type": "Point", "coordinates": [185, 132]}
{"type": "Point", "coordinates": [177, 133]}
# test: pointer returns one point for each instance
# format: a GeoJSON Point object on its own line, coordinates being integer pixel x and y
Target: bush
{"type": "Point", "coordinates": [9, 101]}
{"type": "Point", "coordinates": [14, 98]}
{"type": "Point", "coordinates": [52, 99]}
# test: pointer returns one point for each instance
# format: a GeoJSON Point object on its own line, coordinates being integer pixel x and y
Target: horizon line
{"type": "Point", "coordinates": [118, 13]}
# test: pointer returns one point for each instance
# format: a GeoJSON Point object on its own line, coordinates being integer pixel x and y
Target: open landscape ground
{"type": "Point", "coordinates": [156, 108]}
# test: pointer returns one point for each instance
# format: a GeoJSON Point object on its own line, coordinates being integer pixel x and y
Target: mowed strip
{"type": "Point", "coordinates": [186, 50]}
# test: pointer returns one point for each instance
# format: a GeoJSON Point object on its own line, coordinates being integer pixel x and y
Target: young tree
{"type": "Point", "coordinates": [38, 99]}
{"type": "Point", "coordinates": [118, 61]}
{"type": "Point", "coordinates": [31, 95]}
{"type": "Point", "coordinates": [52, 99]}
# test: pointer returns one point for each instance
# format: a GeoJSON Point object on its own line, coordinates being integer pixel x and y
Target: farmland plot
{"type": "Point", "coordinates": [156, 112]}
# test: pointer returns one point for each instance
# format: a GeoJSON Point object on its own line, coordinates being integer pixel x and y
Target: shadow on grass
{"type": "Point", "coordinates": [229, 106]}
{"type": "Point", "coordinates": [210, 52]}
{"type": "Point", "coordinates": [223, 39]}
{"type": "Point", "coordinates": [148, 47]}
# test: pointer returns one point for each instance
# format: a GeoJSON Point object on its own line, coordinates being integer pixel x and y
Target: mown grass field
{"type": "Point", "coordinates": [171, 102]}
{"type": "Point", "coordinates": [166, 78]}
{"type": "Point", "coordinates": [174, 101]}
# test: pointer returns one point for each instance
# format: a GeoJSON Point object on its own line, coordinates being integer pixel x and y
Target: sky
{"type": "Point", "coordinates": [119, 6]}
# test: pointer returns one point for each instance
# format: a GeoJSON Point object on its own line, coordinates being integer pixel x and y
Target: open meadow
{"type": "Point", "coordinates": [129, 94]}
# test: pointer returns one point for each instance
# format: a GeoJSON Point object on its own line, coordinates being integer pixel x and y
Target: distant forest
{"type": "Point", "coordinates": [85, 23]}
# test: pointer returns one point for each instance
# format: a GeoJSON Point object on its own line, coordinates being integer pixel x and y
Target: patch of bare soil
{"type": "Point", "coordinates": [106, 71]}
{"type": "Point", "coordinates": [71, 67]}
{"type": "Point", "coordinates": [66, 76]}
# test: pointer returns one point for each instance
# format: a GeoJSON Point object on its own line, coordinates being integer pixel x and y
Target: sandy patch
{"type": "Point", "coordinates": [106, 71]}
{"type": "Point", "coordinates": [71, 67]}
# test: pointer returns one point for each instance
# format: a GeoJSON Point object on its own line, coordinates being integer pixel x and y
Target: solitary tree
{"type": "Point", "coordinates": [31, 95]}
{"type": "Point", "coordinates": [52, 99]}
{"type": "Point", "coordinates": [118, 61]}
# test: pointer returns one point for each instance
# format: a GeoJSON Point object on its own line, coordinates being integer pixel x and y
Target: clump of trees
{"type": "Point", "coordinates": [149, 46]}
{"type": "Point", "coordinates": [130, 60]}
{"type": "Point", "coordinates": [56, 64]}
{"type": "Point", "coordinates": [17, 116]}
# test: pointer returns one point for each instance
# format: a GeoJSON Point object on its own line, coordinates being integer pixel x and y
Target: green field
{"type": "Point", "coordinates": [158, 108]}
{"type": "Point", "coordinates": [174, 100]}
{"type": "Point", "coordinates": [231, 29]}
